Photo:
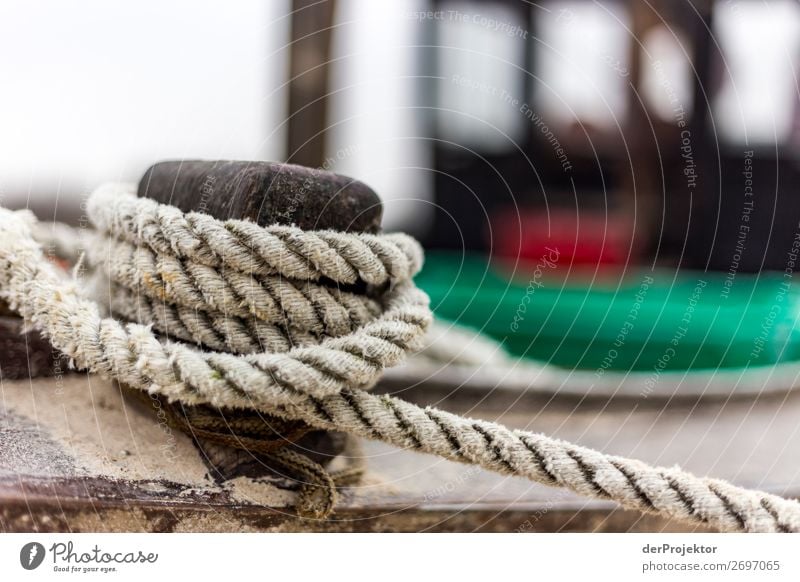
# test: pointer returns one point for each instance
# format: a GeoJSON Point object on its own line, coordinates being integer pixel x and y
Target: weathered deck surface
{"type": "Point", "coordinates": [79, 454]}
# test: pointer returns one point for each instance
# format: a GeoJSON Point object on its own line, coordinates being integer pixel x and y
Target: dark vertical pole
{"type": "Point", "coordinates": [312, 23]}
{"type": "Point", "coordinates": [704, 210]}
{"type": "Point", "coordinates": [640, 192]}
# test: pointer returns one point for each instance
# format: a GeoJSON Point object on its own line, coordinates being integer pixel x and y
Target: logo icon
{"type": "Point", "coordinates": [31, 555]}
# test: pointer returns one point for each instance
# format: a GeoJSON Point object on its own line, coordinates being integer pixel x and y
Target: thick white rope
{"type": "Point", "coordinates": [322, 381]}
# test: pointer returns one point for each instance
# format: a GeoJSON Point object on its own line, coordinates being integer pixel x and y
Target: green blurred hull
{"type": "Point", "coordinates": [655, 319]}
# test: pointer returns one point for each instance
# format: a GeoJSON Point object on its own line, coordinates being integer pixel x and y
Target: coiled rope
{"type": "Point", "coordinates": [234, 285]}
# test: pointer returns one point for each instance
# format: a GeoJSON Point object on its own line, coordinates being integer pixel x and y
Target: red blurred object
{"type": "Point", "coordinates": [588, 240]}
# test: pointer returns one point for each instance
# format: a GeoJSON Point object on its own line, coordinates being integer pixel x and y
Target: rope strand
{"type": "Point", "coordinates": [321, 383]}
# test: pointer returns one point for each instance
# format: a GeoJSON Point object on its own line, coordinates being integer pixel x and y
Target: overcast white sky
{"type": "Point", "coordinates": [98, 90]}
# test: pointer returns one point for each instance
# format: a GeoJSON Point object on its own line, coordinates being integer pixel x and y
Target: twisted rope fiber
{"type": "Point", "coordinates": [323, 384]}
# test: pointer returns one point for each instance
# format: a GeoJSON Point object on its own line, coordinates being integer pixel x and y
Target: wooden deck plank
{"type": "Point", "coordinates": [77, 453]}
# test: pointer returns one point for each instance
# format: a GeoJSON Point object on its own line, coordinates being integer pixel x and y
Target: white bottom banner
{"type": "Point", "coordinates": [379, 557]}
